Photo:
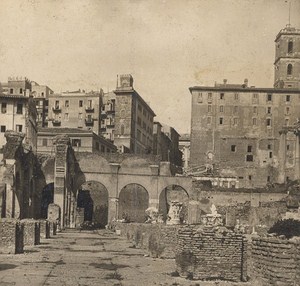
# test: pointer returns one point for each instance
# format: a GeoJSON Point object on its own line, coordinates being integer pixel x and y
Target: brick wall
{"type": "Point", "coordinates": [31, 232]}
{"type": "Point", "coordinates": [11, 236]}
{"type": "Point", "coordinates": [208, 253]}
{"type": "Point", "coordinates": [158, 239]}
{"type": "Point", "coordinates": [276, 261]}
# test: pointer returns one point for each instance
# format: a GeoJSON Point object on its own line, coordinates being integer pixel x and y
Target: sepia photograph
{"type": "Point", "coordinates": [150, 142]}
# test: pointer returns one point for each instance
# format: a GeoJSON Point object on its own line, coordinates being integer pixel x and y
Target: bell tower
{"type": "Point", "coordinates": [287, 58]}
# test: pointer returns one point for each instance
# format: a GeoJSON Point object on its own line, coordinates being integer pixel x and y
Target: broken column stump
{"type": "Point", "coordinates": [45, 229]}
{"type": "Point", "coordinates": [31, 232]}
{"type": "Point", "coordinates": [11, 236]}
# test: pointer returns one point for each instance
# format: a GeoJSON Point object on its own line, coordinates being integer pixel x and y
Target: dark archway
{"type": "Point", "coordinates": [133, 202]}
{"type": "Point", "coordinates": [173, 193]}
{"type": "Point", "coordinates": [92, 204]}
{"type": "Point", "coordinates": [47, 198]}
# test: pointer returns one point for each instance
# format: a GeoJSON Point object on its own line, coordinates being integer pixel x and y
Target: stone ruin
{"type": "Point", "coordinates": [212, 219]}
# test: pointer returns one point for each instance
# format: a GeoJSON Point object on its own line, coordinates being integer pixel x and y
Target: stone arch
{"type": "Point", "coordinates": [46, 199]}
{"type": "Point", "coordinates": [173, 193]}
{"type": "Point", "coordinates": [92, 204]}
{"type": "Point", "coordinates": [133, 202]}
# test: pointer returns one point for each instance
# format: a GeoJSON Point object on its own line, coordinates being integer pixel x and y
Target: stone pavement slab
{"type": "Point", "coordinates": [90, 258]}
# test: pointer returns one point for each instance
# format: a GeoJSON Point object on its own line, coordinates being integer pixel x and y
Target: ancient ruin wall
{"type": "Point", "coordinates": [276, 261]}
{"type": "Point", "coordinates": [208, 253]}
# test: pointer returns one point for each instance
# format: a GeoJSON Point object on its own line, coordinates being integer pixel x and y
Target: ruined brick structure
{"type": "Point", "coordinates": [276, 261]}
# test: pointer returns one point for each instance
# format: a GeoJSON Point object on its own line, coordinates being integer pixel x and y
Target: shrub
{"type": "Point", "coordinates": [287, 227]}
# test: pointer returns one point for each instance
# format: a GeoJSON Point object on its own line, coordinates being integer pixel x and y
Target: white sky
{"type": "Point", "coordinates": [167, 46]}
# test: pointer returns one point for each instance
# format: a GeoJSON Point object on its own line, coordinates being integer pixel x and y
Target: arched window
{"type": "Point", "coordinates": [289, 69]}
{"type": "Point", "coordinates": [290, 47]}
{"type": "Point", "coordinates": [122, 129]}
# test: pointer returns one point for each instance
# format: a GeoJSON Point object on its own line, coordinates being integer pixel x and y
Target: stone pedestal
{"type": "Point", "coordinates": [174, 213]}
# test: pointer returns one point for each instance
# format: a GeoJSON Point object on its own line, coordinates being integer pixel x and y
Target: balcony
{"type": "Point", "coordinates": [56, 109]}
{"type": "Point", "coordinates": [56, 122]}
{"type": "Point", "coordinates": [89, 109]}
{"type": "Point", "coordinates": [89, 121]}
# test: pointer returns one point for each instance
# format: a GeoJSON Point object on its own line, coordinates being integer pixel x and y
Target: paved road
{"type": "Point", "coordinates": [88, 258]}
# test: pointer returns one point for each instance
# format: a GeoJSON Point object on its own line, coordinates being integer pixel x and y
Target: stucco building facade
{"type": "Point", "coordinates": [235, 129]}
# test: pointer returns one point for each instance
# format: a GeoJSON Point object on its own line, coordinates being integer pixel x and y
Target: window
{"type": "Point", "coordinates": [287, 147]}
{"type": "Point", "coordinates": [233, 148]}
{"type": "Point", "coordinates": [44, 142]}
{"type": "Point", "coordinates": [287, 98]}
{"type": "Point", "coordinates": [255, 96]}
{"type": "Point", "coordinates": [80, 103]}
{"type": "Point", "coordinates": [269, 109]}
{"type": "Point", "coordinates": [21, 90]}
{"type": "Point", "coordinates": [66, 116]}
{"type": "Point", "coordinates": [270, 155]}
{"type": "Point", "coordinates": [221, 120]}
{"type": "Point", "coordinates": [236, 96]}
{"type": "Point", "coordinates": [255, 109]}
{"type": "Point", "coordinates": [19, 128]}
{"type": "Point", "coordinates": [250, 178]}
{"type": "Point", "coordinates": [269, 121]}
{"type": "Point", "coordinates": [139, 135]}
{"type": "Point", "coordinates": [90, 103]}
{"type": "Point", "coordinates": [235, 121]}
{"type": "Point", "coordinates": [269, 146]}
{"type": "Point", "coordinates": [235, 109]}
{"type": "Point", "coordinates": [200, 100]}
{"type": "Point", "coordinates": [209, 96]}
{"type": "Point", "coordinates": [76, 142]}
{"type": "Point", "coordinates": [287, 110]}
{"type": "Point", "coordinates": [289, 69]}
{"type": "Point", "coordinates": [209, 120]}
{"type": "Point", "coordinates": [102, 149]}
{"type": "Point", "coordinates": [56, 104]}
{"type": "Point", "coordinates": [3, 128]}
{"type": "Point", "coordinates": [209, 108]}
{"type": "Point", "coordinates": [290, 47]}
{"type": "Point", "coordinates": [139, 121]}
{"type": "Point", "coordinates": [42, 94]}
{"type": "Point", "coordinates": [268, 179]}
{"type": "Point", "coordinates": [80, 116]}
{"type": "Point", "coordinates": [221, 108]}
{"type": "Point", "coordinates": [122, 129]}
{"type": "Point", "coordinates": [19, 108]}
{"type": "Point", "coordinates": [287, 121]}
{"type": "Point", "coordinates": [222, 95]}
{"type": "Point", "coordinates": [269, 97]}
{"type": "Point", "coordinates": [249, 148]}
{"type": "Point", "coordinates": [249, 158]}
{"type": "Point", "coordinates": [3, 107]}
{"type": "Point", "coordinates": [11, 91]}
{"type": "Point", "coordinates": [67, 103]}
{"type": "Point", "coordinates": [254, 121]}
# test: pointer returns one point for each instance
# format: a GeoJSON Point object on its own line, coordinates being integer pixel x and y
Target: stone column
{"type": "Point", "coordinates": [282, 156]}
{"type": "Point", "coordinates": [62, 143]}
{"type": "Point", "coordinates": [113, 202]}
{"type": "Point", "coordinates": [297, 155]}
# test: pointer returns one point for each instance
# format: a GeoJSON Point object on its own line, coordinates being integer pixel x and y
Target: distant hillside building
{"type": "Point", "coordinates": [236, 128]}
{"type": "Point", "coordinates": [133, 119]}
{"type": "Point", "coordinates": [41, 94]}
{"type": "Point", "coordinates": [18, 111]}
{"type": "Point", "coordinates": [81, 140]}
{"type": "Point", "coordinates": [166, 144]}
{"type": "Point", "coordinates": [108, 110]}
{"type": "Point", "coordinates": [184, 147]}
{"type": "Point", "coordinates": [77, 109]}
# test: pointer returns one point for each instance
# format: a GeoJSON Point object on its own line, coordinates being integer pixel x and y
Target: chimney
{"type": "Point", "coordinates": [225, 81]}
{"type": "Point", "coordinates": [246, 82]}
